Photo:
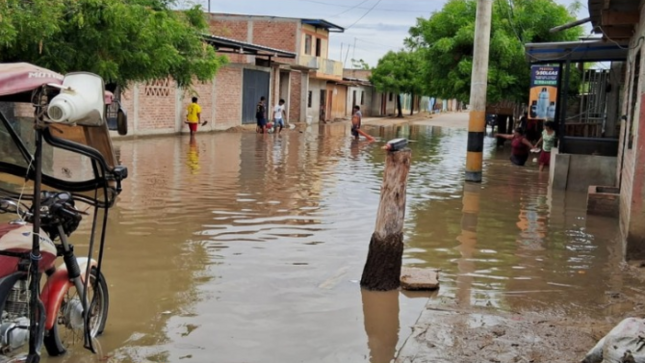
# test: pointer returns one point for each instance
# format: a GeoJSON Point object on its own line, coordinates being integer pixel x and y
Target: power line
{"type": "Point", "coordinates": [350, 9]}
{"type": "Point", "coordinates": [364, 15]}
{"type": "Point", "coordinates": [365, 8]}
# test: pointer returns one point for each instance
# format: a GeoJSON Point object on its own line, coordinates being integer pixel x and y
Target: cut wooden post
{"type": "Point", "coordinates": [382, 271]}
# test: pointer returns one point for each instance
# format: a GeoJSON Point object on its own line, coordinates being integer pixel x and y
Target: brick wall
{"type": "Point", "coordinates": [160, 107]}
{"type": "Point", "coordinates": [277, 34]}
{"type": "Point", "coordinates": [157, 108]}
{"type": "Point", "coordinates": [233, 29]}
{"type": "Point", "coordinates": [204, 93]}
{"type": "Point", "coordinates": [228, 96]}
{"type": "Point", "coordinates": [632, 213]}
{"type": "Point", "coordinates": [295, 96]}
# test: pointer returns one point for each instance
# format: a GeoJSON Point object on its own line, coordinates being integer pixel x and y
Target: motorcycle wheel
{"type": "Point", "coordinates": [68, 329]}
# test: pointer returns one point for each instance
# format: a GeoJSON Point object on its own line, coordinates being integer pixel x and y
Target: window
{"type": "Point", "coordinates": [391, 96]}
{"type": "Point", "coordinates": [309, 97]}
{"type": "Point", "coordinates": [318, 47]}
{"type": "Point", "coordinates": [308, 44]}
{"type": "Point", "coordinates": [635, 77]}
{"type": "Point", "coordinates": [362, 98]}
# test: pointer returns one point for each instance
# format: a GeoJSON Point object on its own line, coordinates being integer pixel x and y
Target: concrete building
{"type": "Point", "coordinates": [601, 133]}
{"type": "Point", "coordinates": [623, 22]}
{"type": "Point", "coordinates": [362, 93]}
{"type": "Point", "coordinates": [158, 107]}
{"type": "Point", "coordinates": [278, 58]}
{"type": "Point", "coordinates": [311, 82]}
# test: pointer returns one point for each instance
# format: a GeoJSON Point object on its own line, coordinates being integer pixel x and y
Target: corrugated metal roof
{"type": "Point", "coordinates": [320, 23]}
{"type": "Point", "coordinates": [245, 48]}
{"type": "Point", "coordinates": [580, 51]}
{"type": "Point", "coordinates": [597, 6]}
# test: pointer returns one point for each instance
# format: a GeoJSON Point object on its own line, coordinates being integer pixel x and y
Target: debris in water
{"type": "Point", "coordinates": [419, 279]}
{"type": "Point", "coordinates": [623, 344]}
{"type": "Point", "coordinates": [334, 280]}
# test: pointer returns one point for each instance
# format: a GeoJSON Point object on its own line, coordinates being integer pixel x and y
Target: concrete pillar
{"type": "Point", "coordinates": [304, 93]}
{"type": "Point", "coordinates": [614, 101]}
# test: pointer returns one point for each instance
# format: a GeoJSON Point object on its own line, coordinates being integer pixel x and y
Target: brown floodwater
{"type": "Point", "coordinates": [248, 248]}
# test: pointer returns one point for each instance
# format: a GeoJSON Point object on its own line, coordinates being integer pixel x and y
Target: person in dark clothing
{"type": "Point", "coordinates": [261, 116]}
{"type": "Point", "coordinates": [520, 146]}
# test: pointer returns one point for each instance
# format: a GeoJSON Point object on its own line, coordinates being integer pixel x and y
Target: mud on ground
{"type": "Point", "coordinates": [453, 336]}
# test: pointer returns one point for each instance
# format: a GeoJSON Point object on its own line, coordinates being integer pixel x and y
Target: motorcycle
{"type": "Point", "coordinates": [70, 114]}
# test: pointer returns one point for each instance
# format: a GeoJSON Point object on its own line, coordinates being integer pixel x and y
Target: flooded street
{"type": "Point", "coordinates": [249, 248]}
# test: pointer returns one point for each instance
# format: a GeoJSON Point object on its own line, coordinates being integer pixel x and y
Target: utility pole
{"type": "Point", "coordinates": [478, 88]}
{"type": "Point", "coordinates": [209, 6]}
{"type": "Point", "coordinates": [341, 52]}
{"type": "Point", "coordinates": [354, 50]}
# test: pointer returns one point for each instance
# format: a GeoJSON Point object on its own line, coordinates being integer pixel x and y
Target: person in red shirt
{"type": "Point", "coordinates": [520, 146]}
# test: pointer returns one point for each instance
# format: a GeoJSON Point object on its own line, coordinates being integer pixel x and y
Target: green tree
{"type": "Point", "coordinates": [123, 41]}
{"type": "Point", "coordinates": [446, 40]}
{"type": "Point", "coordinates": [360, 64]}
{"type": "Point", "coordinates": [397, 72]}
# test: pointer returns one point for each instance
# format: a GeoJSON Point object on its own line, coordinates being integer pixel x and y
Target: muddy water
{"type": "Point", "coordinates": [249, 248]}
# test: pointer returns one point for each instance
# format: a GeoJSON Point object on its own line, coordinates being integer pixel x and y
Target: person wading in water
{"type": "Point", "coordinates": [520, 146]}
{"type": "Point", "coordinates": [547, 140]}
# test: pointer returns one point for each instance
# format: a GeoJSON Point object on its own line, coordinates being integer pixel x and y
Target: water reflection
{"type": "Point", "coordinates": [468, 242]}
{"type": "Point", "coordinates": [193, 155]}
{"type": "Point", "coordinates": [381, 319]}
{"type": "Point", "coordinates": [256, 257]}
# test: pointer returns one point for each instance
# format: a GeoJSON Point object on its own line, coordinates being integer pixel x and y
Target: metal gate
{"type": "Point", "coordinates": [255, 85]}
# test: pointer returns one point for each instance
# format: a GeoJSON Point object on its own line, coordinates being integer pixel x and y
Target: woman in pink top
{"type": "Point", "coordinates": [520, 146]}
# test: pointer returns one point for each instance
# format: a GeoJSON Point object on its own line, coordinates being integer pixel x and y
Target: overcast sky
{"type": "Point", "coordinates": [375, 26]}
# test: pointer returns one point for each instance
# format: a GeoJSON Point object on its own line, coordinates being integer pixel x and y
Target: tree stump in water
{"type": "Point", "coordinates": [382, 271]}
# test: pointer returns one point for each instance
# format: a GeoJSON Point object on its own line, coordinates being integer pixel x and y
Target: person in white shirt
{"type": "Point", "coordinates": [279, 114]}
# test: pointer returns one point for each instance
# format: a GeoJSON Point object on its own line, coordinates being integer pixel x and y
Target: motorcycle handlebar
{"type": "Point", "coordinates": [62, 210]}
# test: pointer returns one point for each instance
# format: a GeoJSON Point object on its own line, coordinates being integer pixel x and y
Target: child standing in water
{"type": "Point", "coordinates": [547, 140]}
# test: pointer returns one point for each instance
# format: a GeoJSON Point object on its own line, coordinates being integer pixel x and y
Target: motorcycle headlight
{"type": "Point", "coordinates": [80, 101]}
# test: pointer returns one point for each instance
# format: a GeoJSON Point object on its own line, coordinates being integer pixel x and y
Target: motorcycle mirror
{"type": "Point", "coordinates": [122, 122]}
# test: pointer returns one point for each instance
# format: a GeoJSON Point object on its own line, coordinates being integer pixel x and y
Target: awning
{"type": "Point", "coordinates": [355, 82]}
{"type": "Point", "coordinates": [294, 66]}
{"type": "Point", "coordinates": [226, 45]}
{"type": "Point", "coordinates": [580, 51]}
{"type": "Point", "coordinates": [324, 24]}
{"type": "Point", "coordinates": [615, 19]}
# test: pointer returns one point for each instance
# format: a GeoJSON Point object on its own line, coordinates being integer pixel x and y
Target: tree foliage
{"type": "Point", "coordinates": [360, 64]}
{"type": "Point", "coordinates": [445, 42]}
{"type": "Point", "coordinates": [123, 41]}
{"type": "Point", "coordinates": [396, 72]}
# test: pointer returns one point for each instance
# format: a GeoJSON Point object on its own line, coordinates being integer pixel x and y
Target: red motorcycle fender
{"type": "Point", "coordinates": [56, 287]}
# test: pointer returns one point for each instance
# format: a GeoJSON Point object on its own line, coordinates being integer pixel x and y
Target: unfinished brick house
{"type": "Point", "coordinates": [311, 83]}
{"type": "Point", "coordinates": [269, 56]}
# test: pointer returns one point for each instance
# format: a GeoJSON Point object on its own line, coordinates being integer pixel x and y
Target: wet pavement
{"type": "Point", "coordinates": [248, 248]}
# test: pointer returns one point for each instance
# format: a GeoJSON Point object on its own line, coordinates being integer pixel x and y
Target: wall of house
{"type": "Point", "coordinates": [364, 98]}
{"type": "Point", "coordinates": [295, 97]}
{"type": "Point", "coordinates": [631, 163]}
{"type": "Point", "coordinates": [279, 33]}
{"type": "Point", "coordinates": [159, 107]}
{"type": "Point", "coordinates": [313, 107]}
{"type": "Point", "coordinates": [338, 107]}
{"type": "Point", "coordinates": [322, 34]}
